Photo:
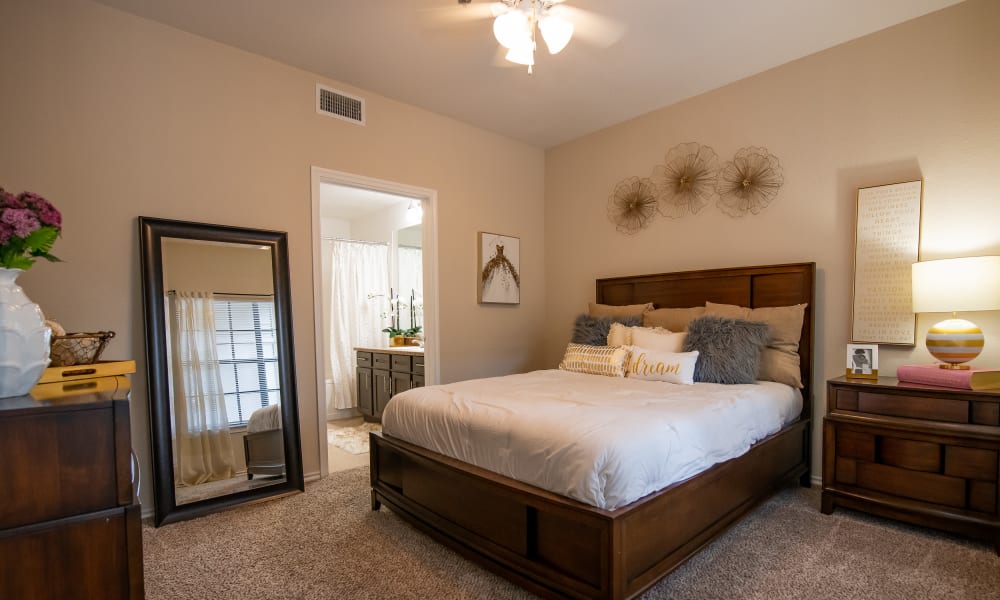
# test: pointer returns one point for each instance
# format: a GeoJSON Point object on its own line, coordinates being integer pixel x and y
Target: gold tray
{"type": "Point", "coordinates": [104, 368]}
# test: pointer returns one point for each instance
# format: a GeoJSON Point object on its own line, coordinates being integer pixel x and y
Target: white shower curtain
{"type": "Point", "coordinates": [411, 277]}
{"type": "Point", "coordinates": [203, 449]}
{"type": "Point", "coordinates": [358, 270]}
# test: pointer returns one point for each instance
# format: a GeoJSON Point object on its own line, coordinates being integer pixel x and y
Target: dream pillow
{"type": "Point", "coordinates": [729, 349]}
{"type": "Point", "coordinates": [656, 365]}
{"type": "Point", "coordinates": [595, 360]}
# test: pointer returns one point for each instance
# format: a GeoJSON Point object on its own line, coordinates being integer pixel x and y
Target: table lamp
{"type": "Point", "coordinates": [954, 285]}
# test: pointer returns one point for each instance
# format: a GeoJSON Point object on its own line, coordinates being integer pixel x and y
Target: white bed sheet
{"type": "Point", "coordinates": [265, 419]}
{"type": "Point", "coordinates": [604, 441]}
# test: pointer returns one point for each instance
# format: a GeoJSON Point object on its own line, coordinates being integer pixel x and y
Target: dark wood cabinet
{"type": "Point", "coordinates": [69, 519]}
{"type": "Point", "coordinates": [921, 454]}
{"type": "Point", "coordinates": [384, 373]}
{"type": "Point", "coordinates": [366, 395]}
{"type": "Point", "coordinates": [382, 381]}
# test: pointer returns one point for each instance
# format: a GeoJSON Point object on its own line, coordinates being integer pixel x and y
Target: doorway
{"type": "Point", "coordinates": [374, 267]}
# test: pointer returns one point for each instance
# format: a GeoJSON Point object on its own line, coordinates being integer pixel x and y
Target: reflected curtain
{"type": "Point", "coordinates": [357, 270]}
{"type": "Point", "coordinates": [411, 277]}
{"type": "Point", "coordinates": [203, 448]}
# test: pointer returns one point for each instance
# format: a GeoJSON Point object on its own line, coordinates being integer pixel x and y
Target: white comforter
{"type": "Point", "coordinates": [604, 441]}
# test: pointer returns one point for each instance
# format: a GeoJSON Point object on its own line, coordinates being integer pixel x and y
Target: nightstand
{"type": "Point", "coordinates": [920, 454]}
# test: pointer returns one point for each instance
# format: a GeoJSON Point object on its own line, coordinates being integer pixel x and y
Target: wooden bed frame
{"type": "Point", "coordinates": [560, 548]}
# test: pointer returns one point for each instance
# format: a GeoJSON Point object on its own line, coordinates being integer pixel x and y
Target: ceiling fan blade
{"type": "Point", "coordinates": [590, 26]}
{"type": "Point", "coordinates": [452, 14]}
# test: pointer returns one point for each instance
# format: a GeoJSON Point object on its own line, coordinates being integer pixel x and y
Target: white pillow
{"type": "Point", "coordinates": [657, 339]}
{"type": "Point", "coordinates": [654, 365]}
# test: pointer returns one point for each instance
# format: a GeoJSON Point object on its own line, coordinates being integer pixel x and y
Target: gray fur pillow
{"type": "Point", "coordinates": [728, 349]}
{"type": "Point", "coordinates": [593, 331]}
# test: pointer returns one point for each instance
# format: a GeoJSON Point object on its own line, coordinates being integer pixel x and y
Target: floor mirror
{"type": "Point", "coordinates": [222, 403]}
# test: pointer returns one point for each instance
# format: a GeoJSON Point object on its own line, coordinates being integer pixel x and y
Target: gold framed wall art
{"type": "Point", "coordinates": [886, 244]}
{"type": "Point", "coordinates": [499, 279]}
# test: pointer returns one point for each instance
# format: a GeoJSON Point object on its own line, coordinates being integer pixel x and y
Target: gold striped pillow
{"type": "Point", "coordinates": [595, 360]}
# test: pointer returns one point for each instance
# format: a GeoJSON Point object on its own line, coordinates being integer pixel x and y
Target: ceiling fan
{"type": "Point", "coordinates": [518, 23]}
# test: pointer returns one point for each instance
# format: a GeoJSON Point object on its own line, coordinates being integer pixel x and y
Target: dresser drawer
{"type": "Point", "coordinates": [364, 359]}
{"type": "Point", "coordinates": [400, 363]}
{"type": "Point", "coordinates": [381, 361]}
{"type": "Point", "coordinates": [90, 554]}
{"type": "Point", "coordinates": [59, 463]}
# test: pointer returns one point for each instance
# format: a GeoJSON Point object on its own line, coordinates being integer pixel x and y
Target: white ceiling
{"type": "Point", "coordinates": [431, 54]}
{"type": "Point", "coordinates": [353, 203]}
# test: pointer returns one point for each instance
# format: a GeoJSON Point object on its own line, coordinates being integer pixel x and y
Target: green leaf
{"type": "Point", "coordinates": [18, 262]}
{"type": "Point", "coordinates": [41, 240]}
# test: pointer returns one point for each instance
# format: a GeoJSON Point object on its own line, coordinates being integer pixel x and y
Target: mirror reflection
{"type": "Point", "coordinates": [223, 370]}
{"type": "Point", "coordinates": [223, 410]}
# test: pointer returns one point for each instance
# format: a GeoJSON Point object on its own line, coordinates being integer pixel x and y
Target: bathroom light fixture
{"type": "Point", "coordinates": [517, 21]}
{"type": "Point", "coordinates": [952, 285]}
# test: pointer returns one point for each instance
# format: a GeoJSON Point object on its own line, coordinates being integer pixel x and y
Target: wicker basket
{"type": "Point", "coordinates": [78, 348]}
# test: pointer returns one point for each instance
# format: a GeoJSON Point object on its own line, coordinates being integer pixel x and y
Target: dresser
{"type": "Point", "coordinates": [69, 517]}
{"type": "Point", "coordinates": [384, 372]}
{"type": "Point", "coordinates": [921, 454]}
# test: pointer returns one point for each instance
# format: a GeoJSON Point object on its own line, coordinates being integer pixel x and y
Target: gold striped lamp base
{"type": "Point", "coordinates": [955, 341]}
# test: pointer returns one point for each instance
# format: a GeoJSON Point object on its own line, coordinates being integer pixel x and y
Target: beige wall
{"type": "Point", "coordinates": [919, 100]}
{"type": "Point", "coordinates": [111, 117]}
{"type": "Point", "coordinates": [201, 266]}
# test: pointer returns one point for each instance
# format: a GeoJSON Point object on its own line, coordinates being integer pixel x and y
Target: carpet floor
{"type": "Point", "coordinates": [327, 544]}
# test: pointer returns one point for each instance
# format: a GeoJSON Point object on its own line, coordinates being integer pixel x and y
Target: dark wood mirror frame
{"type": "Point", "coordinates": [151, 233]}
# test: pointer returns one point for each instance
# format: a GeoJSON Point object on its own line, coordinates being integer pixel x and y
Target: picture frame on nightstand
{"type": "Point", "coordinates": [862, 361]}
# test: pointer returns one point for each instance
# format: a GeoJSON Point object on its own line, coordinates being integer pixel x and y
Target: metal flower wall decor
{"type": "Point", "coordinates": [632, 206]}
{"type": "Point", "coordinates": [686, 179]}
{"type": "Point", "coordinates": [749, 182]}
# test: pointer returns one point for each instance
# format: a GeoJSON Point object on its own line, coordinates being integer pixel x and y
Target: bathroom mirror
{"type": "Point", "coordinates": [222, 402]}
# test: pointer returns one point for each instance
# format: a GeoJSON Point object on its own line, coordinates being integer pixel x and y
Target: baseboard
{"type": "Point", "coordinates": [310, 477]}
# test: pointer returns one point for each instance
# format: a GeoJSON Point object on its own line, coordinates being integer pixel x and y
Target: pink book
{"type": "Point", "coordinates": [966, 379]}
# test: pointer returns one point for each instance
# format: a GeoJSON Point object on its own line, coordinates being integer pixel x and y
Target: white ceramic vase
{"type": "Point", "coordinates": [24, 338]}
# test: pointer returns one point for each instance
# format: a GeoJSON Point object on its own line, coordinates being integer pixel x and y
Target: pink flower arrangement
{"type": "Point", "coordinates": [29, 226]}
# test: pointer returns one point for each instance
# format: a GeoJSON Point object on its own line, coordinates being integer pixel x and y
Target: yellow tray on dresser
{"type": "Point", "coordinates": [104, 368]}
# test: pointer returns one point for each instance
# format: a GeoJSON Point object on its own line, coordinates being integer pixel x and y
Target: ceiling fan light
{"type": "Point", "coordinates": [510, 27]}
{"type": "Point", "coordinates": [522, 54]}
{"type": "Point", "coordinates": [556, 32]}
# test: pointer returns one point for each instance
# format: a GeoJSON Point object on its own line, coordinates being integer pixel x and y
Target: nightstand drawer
{"type": "Point", "coordinates": [914, 407]}
{"type": "Point", "coordinates": [926, 487]}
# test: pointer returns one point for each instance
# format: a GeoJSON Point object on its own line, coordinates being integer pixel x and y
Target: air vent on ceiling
{"type": "Point", "coordinates": [337, 104]}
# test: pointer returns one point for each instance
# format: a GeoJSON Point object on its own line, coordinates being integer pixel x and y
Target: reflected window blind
{"type": "Point", "coordinates": [248, 350]}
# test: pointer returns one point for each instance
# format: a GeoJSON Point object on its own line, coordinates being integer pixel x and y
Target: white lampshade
{"type": "Point", "coordinates": [511, 28]}
{"type": "Point", "coordinates": [957, 284]}
{"type": "Point", "coordinates": [522, 53]}
{"type": "Point", "coordinates": [556, 32]}
{"type": "Point", "coordinates": [953, 285]}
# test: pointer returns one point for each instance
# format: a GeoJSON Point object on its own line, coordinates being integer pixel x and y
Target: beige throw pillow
{"type": "Point", "coordinates": [674, 319]}
{"type": "Point", "coordinates": [780, 360]}
{"type": "Point", "coordinates": [619, 335]}
{"type": "Point", "coordinates": [657, 339]}
{"type": "Point", "coordinates": [626, 310]}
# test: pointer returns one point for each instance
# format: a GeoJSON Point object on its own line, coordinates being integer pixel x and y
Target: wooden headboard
{"type": "Point", "coordinates": [772, 285]}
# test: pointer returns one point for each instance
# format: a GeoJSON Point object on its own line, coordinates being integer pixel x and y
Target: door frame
{"type": "Point", "coordinates": [428, 202]}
